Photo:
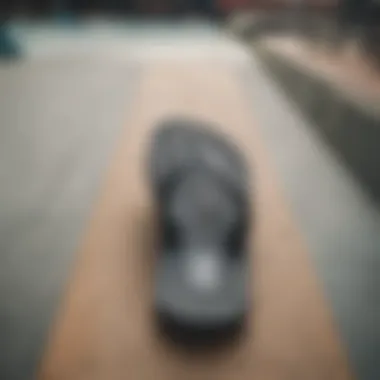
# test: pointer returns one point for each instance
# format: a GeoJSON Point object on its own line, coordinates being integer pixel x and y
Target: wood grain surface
{"type": "Point", "coordinates": [104, 328]}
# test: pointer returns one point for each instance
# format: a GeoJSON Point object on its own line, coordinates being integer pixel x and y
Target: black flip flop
{"type": "Point", "coordinates": [199, 181]}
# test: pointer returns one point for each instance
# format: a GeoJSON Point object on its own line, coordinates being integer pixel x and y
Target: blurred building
{"type": "Point", "coordinates": [231, 5]}
{"type": "Point", "coordinates": [44, 7]}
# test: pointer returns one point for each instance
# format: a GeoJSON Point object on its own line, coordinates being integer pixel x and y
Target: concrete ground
{"type": "Point", "coordinates": [74, 116]}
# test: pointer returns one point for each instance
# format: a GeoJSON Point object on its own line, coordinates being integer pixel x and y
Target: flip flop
{"type": "Point", "coordinates": [199, 181]}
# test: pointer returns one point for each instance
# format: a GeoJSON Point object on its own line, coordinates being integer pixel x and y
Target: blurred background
{"type": "Point", "coordinates": [69, 71]}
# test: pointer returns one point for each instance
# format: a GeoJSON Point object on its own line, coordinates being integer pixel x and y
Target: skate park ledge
{"type": "Point", "coordinates": [343, 107]}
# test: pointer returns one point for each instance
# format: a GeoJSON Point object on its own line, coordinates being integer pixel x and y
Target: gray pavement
{"type": "Point", "coordinates": [340, 224]}
{"type": "Point", "coordinates": [58, 123]}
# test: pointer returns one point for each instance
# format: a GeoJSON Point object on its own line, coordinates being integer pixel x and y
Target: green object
{"type": "Point", "coordinates": [64, 17]}
{"type": "Point", "coordinates": [8, 47]}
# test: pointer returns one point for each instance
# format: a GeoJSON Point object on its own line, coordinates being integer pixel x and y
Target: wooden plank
{"type": "Point", "coordinates": [104, 329]}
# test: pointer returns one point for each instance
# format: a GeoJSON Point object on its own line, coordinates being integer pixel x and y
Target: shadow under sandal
{"type": "Point", "coordinates": [199, 180]}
